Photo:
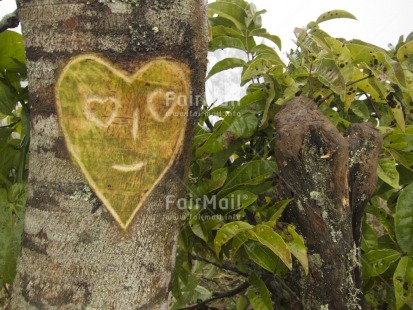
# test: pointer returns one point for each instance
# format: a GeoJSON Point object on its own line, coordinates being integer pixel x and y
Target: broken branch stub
{"type": "Point", "coordinates": [330, 178]}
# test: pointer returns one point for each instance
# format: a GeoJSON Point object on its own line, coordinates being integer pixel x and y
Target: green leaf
{"type": "Point", "coordinates": [403, 282]}
{"type": "Point", "coordinates": [261, 255]}
{"type": "Point", "coordinates": [11, 49]}
{"type": "Point", "coordinates": [333, 15]}
{"type": "Point", "coordinates": [254, 18]}
{"type": "Point", "coordinates": [377, 262]}
{"type": "Point", "coordinates": [342, 56]}
{"type": "Point", "coordinates": [398, 115]}
{"type": "Point", "coordinates": [297, 248]}
{"type": "Point", "coordinates": [230, 128]}
{"type": "Point", "coordinates": [253, 102]}
{"type": "Point", "coordinates": [360, 109]}
{"type": "Point", "coordinates": [252, 173]}
{"type": "Point", "coordinates": [12, 205]}
{"type": "Point", "coordinates": [229, 231]}
{"type": "Point", "coordinates": [406, 175]}
{"type": "Point", "coordinates": [259, 67]}
{"type": "Point", "coordinates": [361, 53]}
{"type": "Point", "coordinates": [403, 220]}
{"type": "Point", "coordinates": [369, 86]}
{"type": "Point", "coordinates": [226, 42]}
{"type": "Point", "coordinates": [226, 31]}
{"type": "Point", "coordinates": [217, 179]}
{"type": "Point", "coordinates": [270, 99]}
{"type": "Point", "coordinates": [269, 238]}
{"type": "Point", "coordinates": [387, 172]}
{"type": "Point", "coordinates": [369, 240]}
{"type": "Point", "coordinates": [239, 199]}
{"type": "Point", "coordinates": [399, 141]}
{"type": "Point", "coordinates": [237, 243]}
{"type": "Point", "coordinates": [264, 51]}
{"type": "Point", "coordinates": [280, 207]}
{"type": "Point", "coordinates": [242, 303]}
{"type": "Point", "coordinates": [236, 14]}
{"type": "Point", "coordinates": [261, 32]}
{"type": "Point", "coordinates": [225, 64]}
{"type": "Point", "coordinates": [259, 296]}
{"type": "Point", "coordinates": [8, 98]}
{"type": "Point", "coordinates": [383, 217]}
{"type": "Point", "coordinates": [330, 75]}
{"type": "Point", "coordinates": [405, 54]}
{"type": "Point", "coordinates": [221, 158]}
{"type": "Point", "coordinates": [198, 228]}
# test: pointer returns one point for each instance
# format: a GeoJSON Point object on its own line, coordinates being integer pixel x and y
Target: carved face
{"type": "Point", "coordinates": [124, 131]}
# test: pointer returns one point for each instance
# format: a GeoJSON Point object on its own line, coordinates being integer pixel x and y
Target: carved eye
{"type": "Point", "coordinates": [161, 104]}
{"type": "Point", "coordinates": [101, 111]}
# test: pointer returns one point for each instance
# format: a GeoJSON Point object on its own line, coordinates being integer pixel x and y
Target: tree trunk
{"type": "Point", "coordinates": [331, 177]}
{"type": "Point", "coordinates": [114, 87]}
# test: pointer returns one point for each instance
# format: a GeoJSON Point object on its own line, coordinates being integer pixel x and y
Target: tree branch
{"type": "Point", "coordinates": [9, 21]}
{"type": "Point", "coordinates": [225, 266]}
{"type": "Point", "coordinates": [217, 296]}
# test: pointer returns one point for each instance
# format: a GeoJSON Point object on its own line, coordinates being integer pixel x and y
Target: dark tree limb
{"type": "Point", "coordinates": [365, 147]}
{"type": "Point", "coordinates": [364, 150]}
{"type": "Point", "coordinates": [227, 294]}
{"type": "Point", "coordinates": [224, 265]}
{"type": "Point", "coordinates": [317, 167]}
{"type": "Point", "coordinates": [9, 21]}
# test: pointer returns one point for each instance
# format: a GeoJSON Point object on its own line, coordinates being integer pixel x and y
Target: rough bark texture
{"type": "Point", "coordinates": [330, 177]}
{"type": "Point", "coordinates": [74, 254]}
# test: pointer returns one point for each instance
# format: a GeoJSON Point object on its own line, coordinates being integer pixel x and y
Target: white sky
{"type": "Point", "coordinates": [379, 22]}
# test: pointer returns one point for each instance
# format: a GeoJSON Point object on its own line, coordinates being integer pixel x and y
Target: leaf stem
{"type": "Point", "coordinates": [359, 80]}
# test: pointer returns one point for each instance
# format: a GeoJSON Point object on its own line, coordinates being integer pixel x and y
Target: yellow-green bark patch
{"type": "Point", "coordinates": [124, 131]}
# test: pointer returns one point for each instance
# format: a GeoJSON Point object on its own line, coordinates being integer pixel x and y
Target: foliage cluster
{"type": "Point", "coordinates": [233, 235]}
{"type": "Point", "coordinates": [14, 142]}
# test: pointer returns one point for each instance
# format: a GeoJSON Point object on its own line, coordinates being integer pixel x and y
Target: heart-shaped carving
{"type": "Point", "coordinates": [124, 131]}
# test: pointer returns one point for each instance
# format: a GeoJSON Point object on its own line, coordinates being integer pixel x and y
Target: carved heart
{"type": "Point", "coordinates": [124, 131]}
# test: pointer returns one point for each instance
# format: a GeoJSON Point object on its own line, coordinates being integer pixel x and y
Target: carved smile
{"type": "Point", "coordinates": [129, 168]}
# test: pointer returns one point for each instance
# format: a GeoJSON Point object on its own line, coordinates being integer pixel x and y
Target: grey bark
{"type": "Point", "coordinates": [74, 256]}
{"type": "Point", "coordinates": [331, 177]}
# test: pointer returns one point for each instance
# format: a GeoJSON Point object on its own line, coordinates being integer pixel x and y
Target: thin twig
{"type": "Point", "coordinates": [372, 105]}
{"type": "Point", "coordinates": [362, 79]}
{"type": "Point", "coordinates": [209, 124]}
{"type": "Point", "coordinates": [225, 266]}
{"type": "Point", "coordinates": [9, 21]}
{"type": "Point", "coordinates": [230, 293]}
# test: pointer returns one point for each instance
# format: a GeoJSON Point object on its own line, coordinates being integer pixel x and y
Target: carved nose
{"type": "Point", "coordinates": [135, 124]}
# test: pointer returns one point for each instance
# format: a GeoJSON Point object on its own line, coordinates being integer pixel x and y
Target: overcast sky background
{"type": "Point", "coordinates": [378, 21]}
